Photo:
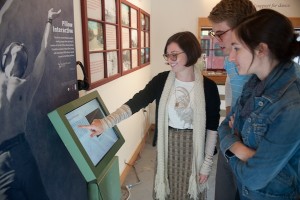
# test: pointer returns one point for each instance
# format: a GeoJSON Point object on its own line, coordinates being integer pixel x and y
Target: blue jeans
{"type": "Point", "coordinates": [19, 174]}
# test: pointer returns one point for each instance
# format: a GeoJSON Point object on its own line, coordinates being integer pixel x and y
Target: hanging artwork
{"type": "Point", "coordinates": [37, 74]}
{"type": "Point", "coordinates": [116, 39]}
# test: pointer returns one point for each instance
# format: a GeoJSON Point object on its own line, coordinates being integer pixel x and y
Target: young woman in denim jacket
{"type": "Point", "coordinates": [260, 137]}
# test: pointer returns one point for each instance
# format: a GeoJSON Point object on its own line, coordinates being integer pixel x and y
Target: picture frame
{"type": "Point", "coordinates": [113, 39]}
{"type": "Point", "coordinates": [125, 19]}
{"type": "Point", "coordinates": [110, 11]}
{"type": "Point", "coordinates": [112, 63]}
{"type": "Point", "coordinates": [94, 9]}
{"type": "Point", "coordinates": [133, 18]}
{"type": "Point", "coordinates": [95, 36]}
{"type": "Point", "coordinates": [126, 59]}
{"type": "Point", "coordinates": [96, 67]}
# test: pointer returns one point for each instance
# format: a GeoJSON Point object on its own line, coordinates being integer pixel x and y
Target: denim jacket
{"type": "Point", "coordinates": [273, 130]}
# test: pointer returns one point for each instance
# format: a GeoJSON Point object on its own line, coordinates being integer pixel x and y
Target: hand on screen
{"type": "Point", "coordinates": [96, 127]}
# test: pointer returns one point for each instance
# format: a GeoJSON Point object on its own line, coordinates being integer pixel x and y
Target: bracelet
{"type": "Point", "coordinates": [49, 20]}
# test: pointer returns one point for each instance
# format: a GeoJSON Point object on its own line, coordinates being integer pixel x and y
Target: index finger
{"type": "Point", "coordinates": [85, 126]}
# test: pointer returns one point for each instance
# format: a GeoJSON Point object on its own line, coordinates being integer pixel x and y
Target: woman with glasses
{"type": "Point", "coordinates": [263, 144]}
{"type": "Point", "coordinates": [187, 118]}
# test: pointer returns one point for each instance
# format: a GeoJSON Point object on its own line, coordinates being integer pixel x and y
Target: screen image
{"type": "Point", "coordinates": [95, 147]}
{"type": "Point", "coordinates": [91, 154]}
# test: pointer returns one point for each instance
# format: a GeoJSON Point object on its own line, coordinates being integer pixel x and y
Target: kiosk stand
{"type": "Point", "coordinates": [94, 156]}
{"type": "Point", "coordinates": [108, 186]}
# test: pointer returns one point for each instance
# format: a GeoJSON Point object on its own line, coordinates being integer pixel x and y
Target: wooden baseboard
{"type": "Point", "coordinates": [135, 155]}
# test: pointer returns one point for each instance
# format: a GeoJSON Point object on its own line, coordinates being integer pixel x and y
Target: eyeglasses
{"type": "Point", "coordinates": [172, 56]}
{"type": "Point", "coordinates": [217, 35]}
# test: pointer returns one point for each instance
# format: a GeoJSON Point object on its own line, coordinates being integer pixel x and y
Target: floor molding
{"type": "Point", "coordinates": [135, 155]}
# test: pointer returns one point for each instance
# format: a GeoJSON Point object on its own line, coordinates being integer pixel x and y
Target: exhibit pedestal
{"type": "Point", "coordinates": [108, 186]}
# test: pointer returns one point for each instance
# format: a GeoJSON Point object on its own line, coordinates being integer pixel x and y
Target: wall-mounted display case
{"type": "Point", "coordinates": [116, 37]}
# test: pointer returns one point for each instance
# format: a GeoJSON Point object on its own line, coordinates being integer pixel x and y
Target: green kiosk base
{"type": "Point", "coordinates": [108, 186]}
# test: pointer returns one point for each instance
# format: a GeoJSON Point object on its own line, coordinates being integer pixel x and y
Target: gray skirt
{"type": "Point", "coordinates": [180, 151]}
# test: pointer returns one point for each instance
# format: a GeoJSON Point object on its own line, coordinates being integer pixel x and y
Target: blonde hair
{"type": "Point", "coordinates": [231, 11]}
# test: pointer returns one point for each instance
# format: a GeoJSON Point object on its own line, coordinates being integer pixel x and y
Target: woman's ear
{"type": "Point", "coordinates": [262, 49]}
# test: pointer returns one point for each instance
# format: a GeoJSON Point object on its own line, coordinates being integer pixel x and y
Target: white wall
{"type": "Point", "coordinates": [117, 92]}
{"type": "Point", "coordinates": [171, 16]}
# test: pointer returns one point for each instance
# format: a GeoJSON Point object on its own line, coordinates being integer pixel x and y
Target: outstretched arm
{"type": "Point", "coordinates": [51, 15]}
{"type": "Point", "coordinates": [4, 9]}
{"type": "Point", "coordinates": [98, 126]}
{"type": "Point", "coordinates": [39, 64]}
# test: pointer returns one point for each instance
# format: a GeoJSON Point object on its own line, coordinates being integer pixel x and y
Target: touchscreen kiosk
{"type": "Point", "coordinates": [91, 154]}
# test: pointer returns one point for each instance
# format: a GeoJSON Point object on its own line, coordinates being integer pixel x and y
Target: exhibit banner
{"type": "Point", "coordinates": [290, 8]}
{"type": "Point", "coordinates": [37, 75]}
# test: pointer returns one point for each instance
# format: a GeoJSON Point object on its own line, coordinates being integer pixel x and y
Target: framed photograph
{"type": "Point", "coordinates": [147, 55]}
{"type": "Point", "coordinates": [116, 39]}
{"type": "Point", "coordinates": [142, 56]}
{"type": "Point", "coordinates": [143, 22]}
{"type": "Point", "coordinates": [111, 37]}
{"type": "Point", "coordinates": [110, 11]}
{"type": "Point", "coordinates": [96, 67]}
{"type": "Point", "coordinates": [95, 32]}
{"type": "Point", "coordinates": [112, 63]}
{"type": "Point", "coordinates": [134, 38]}
{"type": "Point", "coordinates": [147, 38]}
{"type": "Point", "coordinates": [133, 16]}
{"type": "Point", "coordinates": [125, 15]}
{"type": "Point", "coordinates": [147, 23]}
{"type": "Point", "coordinates": [126, 60]}
{"type": "Point", "coordinates": [134, 58]}
{"type": "Point", "coordinates": [94, 9]}
{"type": "Point", "coordinates": [125, 38]}
{"type": "Point", "coordinates": [142, 39]}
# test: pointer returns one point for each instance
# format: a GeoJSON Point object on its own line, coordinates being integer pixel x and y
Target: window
{"type": "Point", "coordinates": [116, 38]}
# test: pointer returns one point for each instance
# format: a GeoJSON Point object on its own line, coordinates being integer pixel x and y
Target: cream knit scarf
{"type": "Point", "coordinates": [161, 186]}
